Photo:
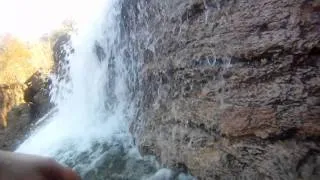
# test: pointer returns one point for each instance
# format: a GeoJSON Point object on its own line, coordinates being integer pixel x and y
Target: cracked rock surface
{"type": "Point", "coordinates": [229, 89]}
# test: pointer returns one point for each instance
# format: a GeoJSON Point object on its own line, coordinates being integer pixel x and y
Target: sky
{"type": "Point", "coordinates": [29, 19]}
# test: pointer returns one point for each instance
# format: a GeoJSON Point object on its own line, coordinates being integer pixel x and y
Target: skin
{"type": "Point", "coordinates": [16, 166]}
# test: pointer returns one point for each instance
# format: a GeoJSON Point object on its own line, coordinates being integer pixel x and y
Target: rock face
{"type": "Point", "coordinates": [20, 106]}
{"type": "Point", "coordinates": [61, 49]}
{"type": "Point", "coordinates": [228, 89]}
{"type": "Point", "coordinates": [19, 124]}
{"type": "Point", "coordinates": [10, 95]}
{"type": "Point", "coordinates": [37, 95]}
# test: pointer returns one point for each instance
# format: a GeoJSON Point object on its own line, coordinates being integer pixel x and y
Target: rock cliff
{"type": "Point", "coordinates": [20, 106]}
{"type": "Point", "coordinates": [24, 86]}
{"type": "Point", "coordinates": [229, 89]}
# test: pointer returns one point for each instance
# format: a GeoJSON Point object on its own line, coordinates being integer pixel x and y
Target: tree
{"type": "Point", "coordinates": [19, 60]}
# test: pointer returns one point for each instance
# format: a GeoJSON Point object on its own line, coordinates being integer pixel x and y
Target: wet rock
{"type": "Point", "coordinates": [20, 123]}
{"type": "Point", "coordinates": [229, 89]}
{"type": "Point", "coordinates": [37, 95]}
{"type": "Point", "coordinates": [20, 106]}
{"type": "Point", "coordinates": [61, 49]}
{"type": "Point", "coordinates": [240, 121]}
{"type": "Point", "coordinates": [98, 50]}
{"type": "Point", "coordinates": [118, 162]}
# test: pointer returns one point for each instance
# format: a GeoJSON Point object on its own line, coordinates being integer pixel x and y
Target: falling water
{"type": "Point", "coordinates": [88, 130]}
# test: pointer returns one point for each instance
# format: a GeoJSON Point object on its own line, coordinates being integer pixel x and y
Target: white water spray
{"type": "Point", "coordinates": [88, 130]}
{"type": "Point", "coordinates": [82, 124]}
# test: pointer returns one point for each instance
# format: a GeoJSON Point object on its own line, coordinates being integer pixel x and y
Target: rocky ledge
{"type": "Point", "coordinates": [229, 89]}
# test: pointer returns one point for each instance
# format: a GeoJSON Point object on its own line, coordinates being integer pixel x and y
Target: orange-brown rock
{"type": "Point", "coordinates": [240, 121]}
{"type": "Point", "coordinates": [10, 96]}
{"type": "Point", "coordinates": [20, 106]}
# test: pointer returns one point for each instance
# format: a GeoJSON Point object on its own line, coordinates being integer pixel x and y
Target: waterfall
{"type": "Point", "coordinates": [89, 128]}
{"type": "Point", "coordinates": [94, 96]}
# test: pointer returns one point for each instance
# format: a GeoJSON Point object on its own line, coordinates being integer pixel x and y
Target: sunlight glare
{"type": "Point", "coordinates": [29, 19]}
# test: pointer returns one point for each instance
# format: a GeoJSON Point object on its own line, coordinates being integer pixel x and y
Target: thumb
{"type": "Point", "coordinates": [69, 174]}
